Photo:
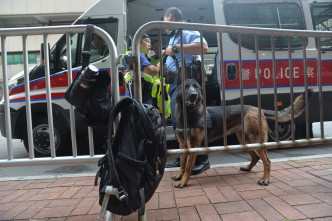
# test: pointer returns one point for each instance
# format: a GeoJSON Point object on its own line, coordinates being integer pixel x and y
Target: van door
{"type": "Point", "coordinates": [279, 14]}
{"type": "Point", "coordinates": [263, 14]}
{"type": "Point", "coordinates": [322, 20]}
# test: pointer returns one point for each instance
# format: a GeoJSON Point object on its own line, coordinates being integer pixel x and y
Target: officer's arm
{"type": "Point", "coordinates": [193, 48]}
{"type": "Point", "coordinates": [151, 70]}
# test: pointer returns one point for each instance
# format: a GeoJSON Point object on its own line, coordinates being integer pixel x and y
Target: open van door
{"type": "Point", "coordinates": [321, 12]}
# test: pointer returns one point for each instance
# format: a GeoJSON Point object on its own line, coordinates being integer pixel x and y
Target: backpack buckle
{"type": "Point", "coordinates": [122, 194]}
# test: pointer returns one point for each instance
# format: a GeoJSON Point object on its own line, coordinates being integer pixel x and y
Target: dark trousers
{"type": "Point", "coordinates": [146, 91]}
{"type": "Point", "coordinates": [172, 93]}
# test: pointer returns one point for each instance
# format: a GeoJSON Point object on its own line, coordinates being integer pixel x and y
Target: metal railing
{"type": "Point", "coordinates": [220, 30]}
{"type": "Point", "coordinates": [45, 32]}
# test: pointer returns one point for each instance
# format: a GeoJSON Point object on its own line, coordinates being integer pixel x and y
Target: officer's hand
{"type": "Point", "coordinates": [169, 51]}
{"type": "Point", "coordinates": [158, 66]}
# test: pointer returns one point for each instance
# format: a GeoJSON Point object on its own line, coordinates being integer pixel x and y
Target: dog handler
{"type": "Point", "coordinates": [191, 48]}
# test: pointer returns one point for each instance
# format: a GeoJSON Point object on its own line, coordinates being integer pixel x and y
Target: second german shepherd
{"type": "Point", "coordinates": [195, 128]}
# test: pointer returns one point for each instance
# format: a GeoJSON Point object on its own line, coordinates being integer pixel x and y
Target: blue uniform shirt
{"type": "Point", "coordinates": [143, 59]}
{"type": "Point", "coordinates": [189, 37]}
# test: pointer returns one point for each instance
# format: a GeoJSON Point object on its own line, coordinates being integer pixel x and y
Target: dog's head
{"type": "Point", "coordinates": [194, 71]}
{"type": "Point", "coordinates": [192, 95]}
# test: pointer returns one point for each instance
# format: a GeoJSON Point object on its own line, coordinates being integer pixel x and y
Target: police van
{"type": "Point", "coordinates": [122, 18]}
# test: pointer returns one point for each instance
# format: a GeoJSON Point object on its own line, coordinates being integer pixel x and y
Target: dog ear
{"type": "Point", "coordinates": [192, 72]}
{"type": "Point", "coordinates": [196, 72]}
{"type": "Point", "coordinates": [198, 76]}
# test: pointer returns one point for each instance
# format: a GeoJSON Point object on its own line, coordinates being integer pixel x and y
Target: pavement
{"type": "Point", "coordinates": [298, 190]}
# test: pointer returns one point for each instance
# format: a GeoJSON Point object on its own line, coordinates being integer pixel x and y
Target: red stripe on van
{"type": "Point", "coordinates": [282, 73]}
{"type": "Point", "coordinates": [39, 97]}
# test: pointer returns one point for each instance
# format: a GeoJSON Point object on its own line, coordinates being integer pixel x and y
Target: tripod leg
{"type": "Point", "coordinates": [110, 216]}
{"type": "Point", "coordinates": [142, 217]}
{"type": "Point", "coordinates": [103, 207]}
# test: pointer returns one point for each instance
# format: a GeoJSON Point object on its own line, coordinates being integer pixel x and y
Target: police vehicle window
{"type": "Point", "coordinates": [282, 15]}
{"type": "Point", "coordinates": [62, 64]}
{"type": "Point", "coordinates": [99, 48]}
{"type": "Point", "coordinates": [322, 21]}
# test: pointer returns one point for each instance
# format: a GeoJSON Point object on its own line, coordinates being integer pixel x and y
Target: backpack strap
{"type": "Point", "coordinates": [147, 123]}
{"type": "Point", "coordinates": [86, 53]}
{"type": "Point", "coordinates": [119, 107]}
{"type": "Point", "coordinates": [155, 134]}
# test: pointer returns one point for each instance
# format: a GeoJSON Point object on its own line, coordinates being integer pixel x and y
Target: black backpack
{"type": "Point", "coordinates": [135, 158]}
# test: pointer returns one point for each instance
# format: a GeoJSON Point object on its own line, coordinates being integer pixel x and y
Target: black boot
{"type": "Point", "coordinates": [200, 167]}
{"type": "Point", "coordinates": [174, 164]}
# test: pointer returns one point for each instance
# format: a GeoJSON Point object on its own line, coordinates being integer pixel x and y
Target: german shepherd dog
{"type": "Point", "coordinates": [195, 128]}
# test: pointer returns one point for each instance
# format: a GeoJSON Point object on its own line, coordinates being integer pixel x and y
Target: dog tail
{"type": "Point", "coordinates": [285, 114]}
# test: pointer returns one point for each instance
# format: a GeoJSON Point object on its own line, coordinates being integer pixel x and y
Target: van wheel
{"type": "Point", "coordinates": [41, 138]}
{"type": "Point", "coordinates": [285, 132]}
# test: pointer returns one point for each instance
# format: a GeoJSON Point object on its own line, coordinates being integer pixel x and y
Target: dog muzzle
{"type": "Point", "coordinates": [191, 101]}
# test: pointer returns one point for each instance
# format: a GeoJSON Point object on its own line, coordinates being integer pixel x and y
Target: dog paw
{"type": "Point", "coordinates": [246, 168]}
{"type": "Point", "coordinates": [179, 185]}
{"type": "Point", "coordinates": [176, 178]}
{"type": "Point", "coordinates": [263, 182]}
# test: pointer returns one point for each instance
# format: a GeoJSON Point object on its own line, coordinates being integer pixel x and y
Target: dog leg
{"type": "Point", "coordinates": [254, 159]}
{"type": "Point", "coordinates": [189, 166]}
{"type": "Point", "coordinates": [194, 137]}
{"type": "Point", "coordinates": [183, 159]}
{"type": "Point", "coordinates": [265, 180]}
{"type": "Point", "coordinates": [178, 176]}
{"type": "Point", "coordinates": [254, 156]}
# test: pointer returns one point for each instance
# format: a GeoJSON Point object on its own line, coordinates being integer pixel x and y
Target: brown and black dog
{"type": "Point", "coordinates": [195, 127]}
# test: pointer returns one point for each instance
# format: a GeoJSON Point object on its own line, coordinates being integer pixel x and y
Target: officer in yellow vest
{"type": "Point", "coordinates": [148, 71]}
{"type": "Point", "coordinates": [156, 90]}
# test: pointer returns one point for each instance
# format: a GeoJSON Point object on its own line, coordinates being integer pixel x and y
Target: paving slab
{"type": "Point", "coordinates": [299, 190]}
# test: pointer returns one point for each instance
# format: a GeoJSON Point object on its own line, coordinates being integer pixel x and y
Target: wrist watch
{"type": "Point", "coordinates": [175, 49]}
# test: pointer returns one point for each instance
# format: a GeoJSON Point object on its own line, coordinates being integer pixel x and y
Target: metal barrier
{"type": "Point", "coordinates": [220, 30]}
{"type": "Point", "coordinates": [46, 31]}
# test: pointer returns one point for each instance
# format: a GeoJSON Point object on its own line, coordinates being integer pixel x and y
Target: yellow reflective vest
{"type": "Point", "coordinates": [157, 94]}
{"type": "Point", "coordinates": [156, 89]}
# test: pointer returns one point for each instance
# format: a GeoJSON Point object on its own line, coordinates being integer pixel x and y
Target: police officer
{"type": "Point", "coordinates": [148, 71]}
{"type": "Point", "coordinates": [191, 48]}
{"type": "Point", "coordinates": [153, 57]}
{"type": "Point", "coordinates": [100, 45]}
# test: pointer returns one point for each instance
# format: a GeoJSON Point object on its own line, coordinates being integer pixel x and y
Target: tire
{"type": "Point", "coordinates": [285, 132]}
{"type": "Point", "coordinates": [41, 139]}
